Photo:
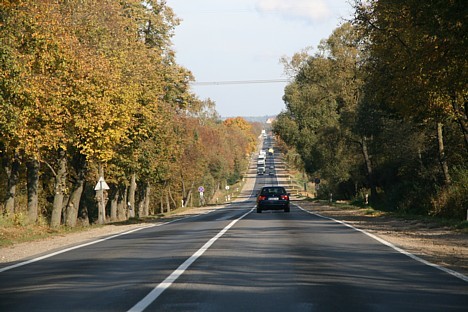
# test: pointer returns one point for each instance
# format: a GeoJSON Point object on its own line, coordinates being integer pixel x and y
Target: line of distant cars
{"type": "Point", "coordinates": [261, 162]}
{"type": "Point", "coordinates": [261, 159]}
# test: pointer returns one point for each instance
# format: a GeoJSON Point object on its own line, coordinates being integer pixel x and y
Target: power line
{"type": "Point", "coordinates": [237, 82]}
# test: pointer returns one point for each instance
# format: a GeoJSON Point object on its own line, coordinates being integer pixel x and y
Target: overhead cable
{"type": "Point", "coordinates": [237, 82]}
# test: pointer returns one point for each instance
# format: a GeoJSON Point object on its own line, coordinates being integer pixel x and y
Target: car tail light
{"type": "Point", "coordinates": [261, 197]}
{"type": "Point", "coordinates": [284, 197]}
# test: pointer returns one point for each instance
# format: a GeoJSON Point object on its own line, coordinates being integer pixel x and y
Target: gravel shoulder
{"type": "Point", "coordinates": [436, 244]}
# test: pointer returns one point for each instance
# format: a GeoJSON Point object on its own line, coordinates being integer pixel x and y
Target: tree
{"type": "Point", "coordinates": [321, 102]}
{"type": "Point", "coordinates": [239, 123]}
{"type": "Point", "coordinates": [417, 59]}
{"type": "Point", "coordinates": [417, 85]}
{"type": "Point", "coordinates": [37, 62]}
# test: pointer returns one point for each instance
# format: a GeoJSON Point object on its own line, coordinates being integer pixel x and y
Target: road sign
{"type": "Point", "coordinates": [101, 185]}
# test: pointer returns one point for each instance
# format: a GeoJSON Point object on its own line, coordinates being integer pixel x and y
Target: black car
{"type": "Point", "coordinates": [273, 197]}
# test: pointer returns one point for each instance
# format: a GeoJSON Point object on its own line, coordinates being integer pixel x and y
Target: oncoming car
{"type": "Point", "coordinates": [273, 197]}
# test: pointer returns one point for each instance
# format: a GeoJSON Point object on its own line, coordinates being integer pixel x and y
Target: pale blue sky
{"type": "Point", "coordinates": [243, 40]}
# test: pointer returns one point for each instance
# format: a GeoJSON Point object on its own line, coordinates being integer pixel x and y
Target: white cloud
{"type": "Point", "coordinates": [309, 10]}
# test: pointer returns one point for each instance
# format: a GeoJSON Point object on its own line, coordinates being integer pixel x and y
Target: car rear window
{"type": "Point", "coordinates": [273, 190]}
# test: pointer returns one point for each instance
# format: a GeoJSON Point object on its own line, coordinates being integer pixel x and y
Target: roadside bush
{"type": "Point", "coordinates": [13, 219]}
{"type": "Point", "coordinates": [411, 197]}
{"type": "Point", "coordinates": [452, 201]}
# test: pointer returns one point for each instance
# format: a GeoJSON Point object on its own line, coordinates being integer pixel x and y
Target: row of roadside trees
{"type": "Point", "coordinates": [91, 89]}
{"type": "Point", "coordinates": [381, 108]}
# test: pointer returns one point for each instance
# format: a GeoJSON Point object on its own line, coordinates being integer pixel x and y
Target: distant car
{"type": "Point", "coordinates": [260, 170]}
{"type": "Point", "coordinates": [271, 172]}
{"type": "Point", "coordinates": [272, 166]}
{"type": "Point", "coordinates": [273, 198]}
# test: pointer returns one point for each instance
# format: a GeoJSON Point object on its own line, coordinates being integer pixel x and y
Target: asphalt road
{"type": "Point", "coordinates": [233, 259]}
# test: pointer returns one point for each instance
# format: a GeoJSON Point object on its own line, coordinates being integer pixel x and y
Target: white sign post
{"type": "Point", "coordinates": [201, 189]}
{"type": "Point", "coordinates": [228, 197]}
{"type": "Point", "coordinates": [101, 185]}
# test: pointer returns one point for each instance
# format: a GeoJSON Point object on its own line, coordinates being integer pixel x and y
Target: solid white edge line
{"type": "Point", "coordinates": [402, 251]}
{"type": "Point", "coordinates": [20, 264]}
{"type": "Point", "coordinates": [158, 290]}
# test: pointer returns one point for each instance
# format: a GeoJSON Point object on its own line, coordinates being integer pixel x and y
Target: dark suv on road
{"type": "Point", "coordinates": [272, 197]}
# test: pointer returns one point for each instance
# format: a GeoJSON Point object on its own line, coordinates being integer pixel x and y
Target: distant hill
{"type": "Point", "coordinates": [262, 119]}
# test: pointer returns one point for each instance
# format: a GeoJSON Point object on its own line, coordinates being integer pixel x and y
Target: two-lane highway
{"type": "Point", "coordinates": [273, 261]}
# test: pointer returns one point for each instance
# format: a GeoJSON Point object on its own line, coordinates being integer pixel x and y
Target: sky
{"type": "Point", "coordinates": [232, 45]}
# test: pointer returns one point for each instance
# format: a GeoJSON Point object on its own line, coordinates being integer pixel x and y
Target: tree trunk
{"type": "Point", "coordinates": [172, 197]}
{"type": "Point", "coordinates": [370, 171]}
{"type": "Point", "coordinates": [114, 203]}
{"type": "Point", "coordinates": [442, 156]}
{"type": "Point", "coordinates": [65, 201]}
{"type": "Point", "coordinates": [12, 172]}
{"type": "Point", "coordinates": [59, 188]}
{"type": "Point", "coordinates": [143, 203]}
{"type": "Point", "coordinates": [131, 195]}
{"type": "Point", "coordinates": [122, 214]}
{"type": "Point", "coordinates": [168, 204]}
{"type": "Point", "coordinates": [32, 166]}
{"type": "Point", "coordinates": [184, 192]}
{"type": "Point", "coordinates": [462, 112]}
{"type": "Point", "coordinates": [189, 196]}
{"type": "Point", "coordinates": [141, 200]}
{"type": "Point", "coordinates": [73, 205]}
{"type": "Point", "coordinates": [190, 199]}
{"type": "Point", "coordinates": [146, 203]}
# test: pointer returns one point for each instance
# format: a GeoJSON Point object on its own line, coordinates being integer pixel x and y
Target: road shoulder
{"type": "Point", "coordinates": [437, 244]}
